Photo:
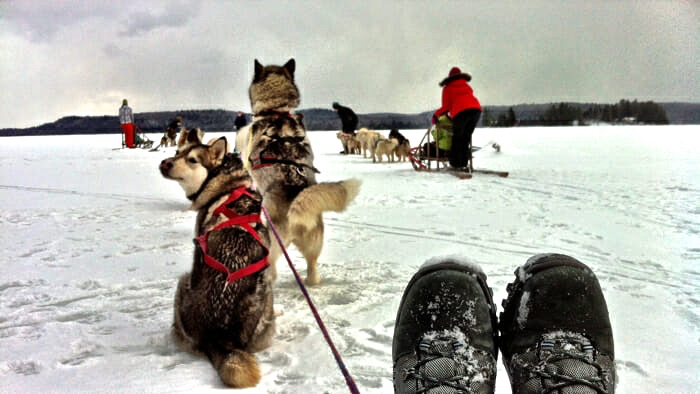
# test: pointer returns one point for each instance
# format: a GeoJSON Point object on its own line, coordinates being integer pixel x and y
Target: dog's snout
{"type": "Point", "coordinates": [166, 165]}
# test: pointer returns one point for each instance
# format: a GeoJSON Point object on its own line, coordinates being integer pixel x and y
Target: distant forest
{"type": "Point", "coordinates": [554, 114]}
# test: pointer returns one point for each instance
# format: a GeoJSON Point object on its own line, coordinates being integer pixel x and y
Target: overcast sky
{"type": "Point", "coordinates": [60, 58]}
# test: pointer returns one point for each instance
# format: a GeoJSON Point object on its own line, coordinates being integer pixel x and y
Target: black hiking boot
{"type": "Point", "coordinates": [555, 329]}
{"type": "Point", "coordinates": [445, 332]}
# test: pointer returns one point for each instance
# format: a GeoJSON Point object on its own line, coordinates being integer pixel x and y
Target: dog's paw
{"type": "Point", "coordinates": [313, 280]}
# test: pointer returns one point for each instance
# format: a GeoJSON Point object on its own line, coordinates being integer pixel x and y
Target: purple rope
{"type": "Point", "coordinates": [348, 379]}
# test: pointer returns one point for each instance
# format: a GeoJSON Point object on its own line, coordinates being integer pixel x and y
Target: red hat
{"type": "Point", "coordinates": [454, 71]}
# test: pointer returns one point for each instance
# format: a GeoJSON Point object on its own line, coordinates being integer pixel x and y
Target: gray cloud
{"type": "Point", "coordinates": [376, 56]}
{"type": "Point", "coordinates": [173, 15]}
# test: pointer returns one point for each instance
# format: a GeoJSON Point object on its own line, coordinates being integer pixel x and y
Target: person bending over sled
{"type": "Point", "coordinates": [349, 121]}
{"type": "Point", "coordinates": [460, 104]}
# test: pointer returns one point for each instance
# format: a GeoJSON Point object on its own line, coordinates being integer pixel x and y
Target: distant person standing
{"type": "Point", "coordinates": [349, 121]}
{"type": "Point", "coordinates": [175, 124]}
{"type": "Point", "coordinates": [126, 118]}
{"type": "Point", "coordinates": [459, 102]}
{"type": "Point", "coordinates": [240, 122]}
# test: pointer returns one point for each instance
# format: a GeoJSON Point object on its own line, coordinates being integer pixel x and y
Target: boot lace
{"type": "Point", "coordinates": [446, 365]}
{"type": "Point", "coordinates": [564, 362]}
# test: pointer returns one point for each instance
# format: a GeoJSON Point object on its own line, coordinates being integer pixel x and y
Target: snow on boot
{"type": "Point", "coordinates": [555, 329]}
{"type": "Point", "coordinates": [445, 331]}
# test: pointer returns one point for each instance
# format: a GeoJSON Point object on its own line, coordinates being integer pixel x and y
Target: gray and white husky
{"type": "Point", "coordinates": [223, 306]}
{"type": "Point", "coordinates": [279, 157]}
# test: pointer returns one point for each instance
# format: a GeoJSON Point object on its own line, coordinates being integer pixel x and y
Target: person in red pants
{"type": "Point", "coordinates": [126, 118]}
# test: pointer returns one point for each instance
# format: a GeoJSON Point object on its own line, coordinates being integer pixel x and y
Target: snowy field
{"type": "Point", "coordinates": [93, 241]}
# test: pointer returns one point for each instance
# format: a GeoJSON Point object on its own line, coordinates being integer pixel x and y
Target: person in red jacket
{"type": "Point", "coordinates": [459, 102]}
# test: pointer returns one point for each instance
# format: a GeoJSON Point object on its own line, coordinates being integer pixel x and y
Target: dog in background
{"type": "Point", "coordinates": [187, 137]}
{"type": "Point", "coordinates": [170, 134]}
{"type": "Point", "coordinates": [191, 137]}
{"type": "Point", "coordinates": [403, 146]}
{"type": "Point", "coordinates": [224, 311]}
{"type": "Point", "coordinates": [402, 150]}
{"type": "Point", "coordinates": [350, 143]}
{"type": "Point", "coordinates": [281, 160]}
{"type": "Point", "coordinates": [368, 139]}
{"type": "Point", "coordinates": [385, 147]}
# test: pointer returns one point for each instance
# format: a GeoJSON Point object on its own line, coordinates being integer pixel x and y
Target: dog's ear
{"type": "Point", "coordinates": [218, 149]}
{"type": "Point", "coordinates": [290, 66]}
{"type": "Point", "coordinates": [258, 70]}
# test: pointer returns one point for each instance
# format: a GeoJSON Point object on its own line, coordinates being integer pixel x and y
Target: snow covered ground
{"type": "Point", "coordinates": [93, 240]}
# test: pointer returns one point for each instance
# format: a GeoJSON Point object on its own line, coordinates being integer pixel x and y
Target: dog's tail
{"type": "Point", "coordinates": [237, 368]}
{"type": "Point", "coordinates": [322, 197]}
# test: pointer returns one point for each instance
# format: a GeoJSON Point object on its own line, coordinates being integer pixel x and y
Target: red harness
{"type": "Point", "coordinates": [234, 220]}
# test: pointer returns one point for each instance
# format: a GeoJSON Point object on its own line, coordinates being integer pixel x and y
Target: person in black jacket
{"type": "Point", "coordinates": [349, 121]}
{"type": "Point", "coordinates": [240, 122]}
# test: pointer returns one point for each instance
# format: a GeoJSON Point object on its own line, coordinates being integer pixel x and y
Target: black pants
{"type": "Point", "coordinates": [463, 125]}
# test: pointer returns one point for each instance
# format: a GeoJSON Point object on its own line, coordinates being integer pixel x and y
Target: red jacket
{"type": "Point", "coordinates": [457, 96]}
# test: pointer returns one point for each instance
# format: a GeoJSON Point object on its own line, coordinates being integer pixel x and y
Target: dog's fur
{"type": "Point", "coordinates": [229, 323]}
{"type": "Point", "coordinates": [367, 138]}
{"type": "Point", "coordinates": [354, 146]}
{"type": "Point", "coordinates": [169, 136]}
{"type": "Point", "coordinates": [350, 143]}
{"type": "Point", "coordinates": [403, 147]}
{"type": "Point", "coordinates": [291, 195]}
{"type": "Point", "coordinates": [194, 136]}
{"type": "Point", "coordinates": [402, 150]}
{"type": "Point", "coordinates": [385, 147]}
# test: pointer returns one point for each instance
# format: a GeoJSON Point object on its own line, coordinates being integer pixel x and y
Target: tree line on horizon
{"type": "Point", "coordinates": [568, 114]}
{"type": "Point", "coordinates": [554, 114]}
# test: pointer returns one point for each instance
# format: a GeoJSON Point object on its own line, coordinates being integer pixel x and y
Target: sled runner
{"type": "Point", "coordinates": [428, 156]}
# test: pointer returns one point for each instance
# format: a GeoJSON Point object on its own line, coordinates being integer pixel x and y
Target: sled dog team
{"type": "Point", "coordinates": [395, 148]}
{"type": "Point", "coordinates": [224, 305]}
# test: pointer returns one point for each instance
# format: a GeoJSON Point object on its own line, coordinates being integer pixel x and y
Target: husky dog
{"type": "Point", "coordinates": [224, 306]}
{"type": "Point", "coordinates": [367, 139]}
{"type": "Point", "coordinates": [351, 145]}
{"type": "Point", "coordinates": [354, 146]}
{"type": "Point", "coordinates": [194, 136]}
{"type": "Point", "coordinates": [169, 136]}
{"type": "Point", "coordinates": [402, 150]}
{"type": "Point", "coordinates": [281, 164]}
{"type": "Point", "coordinates": [404, 145]}
{"type": "Point", "coordinates": [385, 147]}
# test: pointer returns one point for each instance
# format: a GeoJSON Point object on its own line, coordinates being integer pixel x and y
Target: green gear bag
{"type": "Point", "coordinates": [442, 133]}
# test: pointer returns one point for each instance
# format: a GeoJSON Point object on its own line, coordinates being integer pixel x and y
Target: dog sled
{"type": "Point", "coordinates": [432, 153]}
{"type": "Point", "coordinates": [140, 139]}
